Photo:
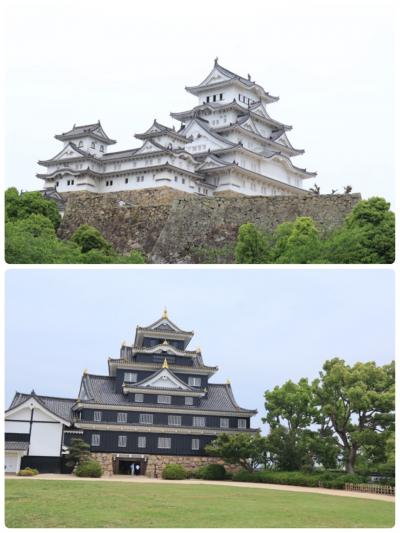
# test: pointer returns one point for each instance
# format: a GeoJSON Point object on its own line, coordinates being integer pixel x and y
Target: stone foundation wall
{"type": "Point", "coordinates": [157, 463]}
{"type": "Point", "coordinates": [170, 226]}
{"type": "Point", "coordinates": [105, 459]}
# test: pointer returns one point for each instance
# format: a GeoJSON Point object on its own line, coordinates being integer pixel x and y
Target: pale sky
{"type": "Point", "coordinates": [261, 327]}
{"type": "Point", "coordinates": [127, 62]}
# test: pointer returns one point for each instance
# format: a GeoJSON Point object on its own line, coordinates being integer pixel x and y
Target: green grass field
{"type": "Point", "coordinates": [40, 503]}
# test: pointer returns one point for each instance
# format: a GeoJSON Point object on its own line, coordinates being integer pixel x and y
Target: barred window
{"type": "Point", "coordinates": [139, 397]}
{"type": "Point", "coordinates": [145, 418]}
{"type": "Point", "coordinates": [141, 442]}
{"type": "Point", "coordinates": [122, 418]}
{"type": "Point", "coordinates": [122, 441]}
{"type": "Point", "coordinates": [161, 398]}
{"type": "Point", "coordinates": [95, 440]}
{"type": "Point", "coordinates": [164, 442]}
{"type": "Point", "coordinates": [194, 381]}
{"type": "Point", "coordinates": [188, 400]}
{"type": "Point", "coordinates": [174, 420]}
{"type": "Point", "coordinates": [199, 421]}
{"type": "Point", "coordinates": [97, 416]}
{"type": "Point", "coordinates": [130, 377]}
{"type": "Point", "coordinates": [195, 444]}
{"type": "Point", "coordinates": [224, 422]}
{"type": "Point", "coordinates": [242, 423]}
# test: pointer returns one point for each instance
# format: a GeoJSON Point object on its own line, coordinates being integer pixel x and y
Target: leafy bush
{"type": "Point", "coordinates": [330, 480]}
{"type": "Point", "coordinates": [27, 472]}
{"type": "Point", "coordinates": [89, 469]}
{"type": "Point", "coordinates": [173, 471]}
{"type": "Point", "coordinates": [216, 472]}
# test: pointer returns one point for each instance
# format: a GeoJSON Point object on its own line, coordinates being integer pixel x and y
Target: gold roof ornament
{"type": "Point", "coordinates": [228, 381]}
{"type": "Point", "coordinates": [123, 343]}
{"type": "Point", "coordinates": [198, 349]}
{"type": "Point", "coordinates": [165, 363]}
{"type": "Point", "coordinates": [165, 313]}
{"type": "Point", "coordinates": [85, 370]}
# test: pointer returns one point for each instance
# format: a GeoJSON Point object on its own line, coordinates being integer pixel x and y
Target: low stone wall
{"type": "Point", "coordinates": [170, 226]}
{"type": "Point", "coordinates": [157, 463]}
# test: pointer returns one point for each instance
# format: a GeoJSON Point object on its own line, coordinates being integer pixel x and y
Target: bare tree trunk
{"type": "Point", "coordinates": [351, 460]}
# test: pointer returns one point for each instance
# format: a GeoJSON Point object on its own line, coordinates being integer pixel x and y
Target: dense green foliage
{"type": "Point", "coordinates": [344, 418]}
{"type": "Point", "coordinates": [28, 472]}
{"type": "Point", "coordinates": [244, 449]}
{"type": "Point", "coordinates": [330, 480]}
{"type": "Point", "coordinates": [31, 238]}
{"type": "Point", "coordinates": [89, 469]}
{"type": "Point", "coordinates": [212, 472]}
{"type": "Point", "coordinates": [112, 504]}
{"type": "Point", "coordinates": [173, 471]}
{"type": "Point", "coordinates": [20, 206]}
{"type": "Point", "coordinates": [78, 452]}
{"type": "Point", "coordinates": [367, 236]}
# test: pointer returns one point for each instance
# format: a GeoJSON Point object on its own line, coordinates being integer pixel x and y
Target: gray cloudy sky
{"type": "Point", "coordinates": [127, 62]}
{"type": "Point", "coordinates": [261, 327]}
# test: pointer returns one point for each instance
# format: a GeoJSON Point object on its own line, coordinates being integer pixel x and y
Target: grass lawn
{"type": "Point", "coordinates": [42, 503]}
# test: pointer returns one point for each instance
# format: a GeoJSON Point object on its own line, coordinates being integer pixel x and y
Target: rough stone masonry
{"type": "Point", "coordinates": [171, 226]}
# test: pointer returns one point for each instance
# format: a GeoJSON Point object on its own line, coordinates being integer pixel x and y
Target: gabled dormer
{"type": "Point", "coordinates": [91, 138]}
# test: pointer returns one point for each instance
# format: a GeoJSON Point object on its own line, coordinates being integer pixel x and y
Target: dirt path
{"type": "Point", "coordinates": [265, 486]}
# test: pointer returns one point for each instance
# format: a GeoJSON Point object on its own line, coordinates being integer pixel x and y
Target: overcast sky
{"type": "Point", "coordinates": [261, 327]}
{"type": "Point", "coordinates": [127, 62]}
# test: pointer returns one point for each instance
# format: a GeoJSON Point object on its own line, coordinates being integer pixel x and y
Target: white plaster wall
{"type": "Point", "coordinates": [16, 427]}
{"type": "Point", "coordinates": [45, 439]}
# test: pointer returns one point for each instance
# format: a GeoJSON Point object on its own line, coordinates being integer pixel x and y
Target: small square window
{"type": "Point", "coordinates": [95, 440]}
{"type": "Point", "coordinates": [188, 400]}
{"type": "Point", "coordinates": [122, 439]}
{"type": "Point", "coordinates": [138, 179]}
{"type": "Point", "coordinates": [122, 418]}
{"type": "Point", "coordinates": [164, 442]}
{"type": "Point", "coordinates": [72, 182]}
{"type": "Point", "coordinates": [194, 381]}
{"type": "Point", "coordinates": [101, 148]}
{"type": "Point", "coordinates": [162, 398]}
{"type": "Point", "coordinates": [199, 421]}
{"type": "Point", "coordinates": [97, 416]}
{"type": "Point", "coordinates": [93, 145]}
{"type": "Point", "coordinates": [174, 420]}
{"type": "Point", "coordinates": [130, 377]}
{"type": "Point", "coordinates": [242, 423]}
{"type": "Point", "coordinates": [68, 182]}
{"type": "Point", "coordinates": [214, 98]}
{"type": "Point", "coordinates": [195, 444]}
{"type": "Point", "coordinates": [141, 442]}
{"type": "Point", "coordinates": [183, 181]}
{"type": "Point", "coordinates": [126, 180]}
{"type": "Point", "coordinates": [139, 398]}
{"type": "Point", "coordinates": [224, 422]}
{"type": "Point", "coordinates": [145, 418]}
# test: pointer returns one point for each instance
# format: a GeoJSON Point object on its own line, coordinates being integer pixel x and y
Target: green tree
{"type": "Point", "coordinates": [78, 453]}
{"type": "Point", "coordinates": [244, 449]}
{"type": "Point", "coordinates": [20, 206]}
{"type": "Point", "coordinates": [89, 238]}
{"type": "Point", "coordinates": [357, 402]}
{"type": "Point", "coordinates": [298, 242]}
{"type": "Point", "coordinates": [367, 236]}
{"type": "Point", "coordinates": [32, 240]}
{"type": "Point", "coordinates": [290, 411]}
{"type": "Point", "coordinates": [251, 246]}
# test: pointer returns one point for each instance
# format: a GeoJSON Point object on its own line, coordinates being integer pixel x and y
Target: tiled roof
{"type": "Point", "coordinates": [16, 445]}
{"type": "Point", "coordinates": [60, 407]}
{"type": "Point", "coordinates": [219, 397]}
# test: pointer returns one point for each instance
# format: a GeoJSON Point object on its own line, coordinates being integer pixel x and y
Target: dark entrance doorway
{"type": "Point", "coordinates": [128, 467]}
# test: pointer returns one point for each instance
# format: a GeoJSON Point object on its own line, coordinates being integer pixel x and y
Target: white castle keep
{"type": "Point", "coordinates": [228, 142]}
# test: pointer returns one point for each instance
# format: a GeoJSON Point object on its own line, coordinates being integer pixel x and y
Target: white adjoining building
{"type": "Point", "coordinates": [228, 142]}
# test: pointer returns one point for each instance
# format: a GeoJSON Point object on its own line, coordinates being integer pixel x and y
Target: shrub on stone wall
{"type": "Point", "coordinates": [89, 469]}
{"type": "Point", "coordinates": [173, 471]}
{"type": "Point", "coordinates": [28, 472]}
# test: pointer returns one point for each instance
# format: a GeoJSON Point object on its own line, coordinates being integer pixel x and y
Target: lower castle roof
{"type": "Point", "coordinates": [219, 398]}
{"type": "Point", "coordinates": [60, 407]}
